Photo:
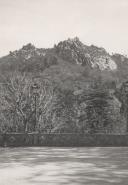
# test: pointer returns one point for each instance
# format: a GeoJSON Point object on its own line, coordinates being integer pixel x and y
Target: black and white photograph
{"type": "Point", "coordinates": [63, 92]}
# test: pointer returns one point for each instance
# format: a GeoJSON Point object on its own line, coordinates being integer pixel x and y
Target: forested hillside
{"type": "Point", "coordinates": [70, 88]}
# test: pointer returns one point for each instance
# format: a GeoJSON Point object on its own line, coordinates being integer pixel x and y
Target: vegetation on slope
{"type": "Point", "coordinates": [80, 89]}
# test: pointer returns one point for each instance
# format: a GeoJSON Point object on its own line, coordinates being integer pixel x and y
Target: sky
{"type": "Point", "coordinates": [103, 23]}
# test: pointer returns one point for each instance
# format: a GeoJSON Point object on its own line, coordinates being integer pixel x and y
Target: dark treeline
{"type": "Point", "coordinates": [36, 104]}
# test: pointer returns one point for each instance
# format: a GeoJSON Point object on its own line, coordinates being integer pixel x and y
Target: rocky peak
{"type": "Point", "coordinates": [28, 52]}
{"type": "Point", "coordinates": [73, 50]}
{"type": "Point", "coordinates": [29, 46]}
{"type": "Point", "coordinates": [75, 41]}
{"type": "Point", "coordinates": [70, 43]}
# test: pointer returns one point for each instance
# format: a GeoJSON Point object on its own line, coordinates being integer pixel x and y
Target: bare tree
{"type": "Point", "coordinates": [21, 105]}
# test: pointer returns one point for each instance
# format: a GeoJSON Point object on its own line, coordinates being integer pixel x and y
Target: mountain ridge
{"type": "Point", "coordinates": [72, 50]}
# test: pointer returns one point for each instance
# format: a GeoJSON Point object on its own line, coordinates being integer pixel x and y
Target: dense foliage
{"type": "Point", "coordinates": [67, 89]}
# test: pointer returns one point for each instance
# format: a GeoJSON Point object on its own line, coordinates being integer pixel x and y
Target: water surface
{"type": "Point", "coordinates": [63, 166]}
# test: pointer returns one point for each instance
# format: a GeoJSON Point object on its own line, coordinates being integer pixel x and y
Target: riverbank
{"type": "Point", "coordinates": [64, 140]}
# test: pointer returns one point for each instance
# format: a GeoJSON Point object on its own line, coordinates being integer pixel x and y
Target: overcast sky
{"type": "Point", "coordinates": [45, 22]}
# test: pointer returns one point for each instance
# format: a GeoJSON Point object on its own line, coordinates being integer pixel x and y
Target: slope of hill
{"type": "Point", "coordinates": [89, 75]}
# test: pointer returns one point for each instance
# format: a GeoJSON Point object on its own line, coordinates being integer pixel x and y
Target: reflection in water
{"type": "Point", "coordinates": [62, 166]}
